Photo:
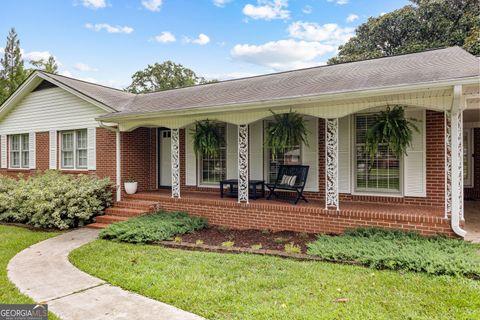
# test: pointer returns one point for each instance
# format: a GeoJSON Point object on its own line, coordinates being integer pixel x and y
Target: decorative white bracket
{"type": "Point", "coordinates": [331, 164]}
{"type": "Point", "coordinates": [175, 141]}
{"type": "Point", "coordinates": [243, 163]}
{"type": "Point", "coordinates": [448, 164]}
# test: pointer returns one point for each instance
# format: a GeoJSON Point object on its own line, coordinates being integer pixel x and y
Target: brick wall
{"type": "Point", "coordinates": [474, 193]}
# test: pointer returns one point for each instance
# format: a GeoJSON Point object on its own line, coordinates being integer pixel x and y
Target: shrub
{"type": "Point", "coordinates": [53, 200]}
{"type": "Point", "coordinates": [153, 227]}
{"type": "Point", "coordinates": [228, 244]}
{"type": "Point", "coordinates": [199, 242]}
{"type": "Point", "coordinates": [256, 246]}
{"type": "Point", "coordinates": [398, 250]}
{"type": "Point", "coordinates": [292, 248]}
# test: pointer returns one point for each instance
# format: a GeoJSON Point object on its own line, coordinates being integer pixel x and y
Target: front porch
{"type": "Point", "coordinates": [311, 217]}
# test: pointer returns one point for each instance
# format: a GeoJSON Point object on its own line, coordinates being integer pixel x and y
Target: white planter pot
{"type": "Point", "coordinates": [131, 187]}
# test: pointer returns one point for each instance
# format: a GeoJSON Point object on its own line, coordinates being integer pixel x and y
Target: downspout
{"type": "Point", "coordinates": [118, 171]}
{"type": "Point", "coordinates": [456, 203]}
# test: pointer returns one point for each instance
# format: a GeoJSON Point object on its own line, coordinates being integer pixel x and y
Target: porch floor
{"type": "Point", "coordinates": [372, 208]}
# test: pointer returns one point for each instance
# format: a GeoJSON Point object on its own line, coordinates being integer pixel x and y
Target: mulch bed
{"type": "Point", "coordinates": [215, 236]}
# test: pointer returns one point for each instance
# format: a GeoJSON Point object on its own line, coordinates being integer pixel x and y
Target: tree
{"type": "Point", "coordinates": [12, 71]}
{"type": "Point", "coordinates": [50, 65]}
{"type": "Point", "coordinates": [167, 75]}
{"type": "Point", "coordinates": [422, 25]}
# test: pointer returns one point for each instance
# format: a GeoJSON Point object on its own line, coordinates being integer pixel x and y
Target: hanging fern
{"type": "Point", "coordinates": [392, 129]}
{"type": "Point", "coordinates": [287, 129]}
{"type": "Point", "coordinates": [207, 139]}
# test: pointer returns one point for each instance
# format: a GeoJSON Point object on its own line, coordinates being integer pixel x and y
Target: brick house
{"type": "Point", "coordinates": [56, 122]}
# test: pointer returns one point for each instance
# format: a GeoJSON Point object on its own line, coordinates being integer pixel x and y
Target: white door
{"type": "Point", "coordinates": [165, 158]}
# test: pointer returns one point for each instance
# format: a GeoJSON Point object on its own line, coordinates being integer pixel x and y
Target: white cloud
{"type": "Point", "coordinates": [84, 67]}
{"type": "Point", "coordinates": [165, 37]}
{"type": "Point", "coordinates": [66, 73]}
{"type": "Point", "coordinates": [352, 17]}
{"type": "Point", "coordinates": [267, 10]}
{"type": "Point", "coordinates": [307, 9]}
{"type": "Point", "coordinates": [329, 33]}
{"type": "Point", "coordinates": [202, 39]}
{"type": "Point", "coordinates": [36, 55]}
{"type": "Point", "coordinates": [152, 5]}
{"type": "Point", "coordinates": [94, 4]}
{"type": "Point", "coordinates": [109, 28]}
{"type": "Point", "coordinates": [340, 2]}
{"type": "Point", "coordinates": [282, 54]}
{"type": "Point", "coordinates": [221, 3]}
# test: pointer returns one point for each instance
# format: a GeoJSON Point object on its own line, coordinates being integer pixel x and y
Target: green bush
{"type": "Point", "coordinates": [154, 227]}
{"type": "Point", "coordinates": [398, 250]}
{"type": "Point", "coordinates": [53, 199]}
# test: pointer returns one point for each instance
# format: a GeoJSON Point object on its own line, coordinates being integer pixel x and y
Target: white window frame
{"type": "Point", "coordinates": [22, 137]}
{"type": "Point", "coordinates": [207, 184]}
{"type": "Point", "coordinates": [74, 150]}
{"type": "Point", "coordinates": [468, 146]}
{"type": "Point", "coordinates": [371, 192]}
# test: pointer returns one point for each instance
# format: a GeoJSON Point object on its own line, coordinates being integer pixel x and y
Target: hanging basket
{"type": "Point", "coordinates": [207, 139]}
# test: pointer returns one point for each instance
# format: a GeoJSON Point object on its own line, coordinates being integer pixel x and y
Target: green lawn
{"type": "Point", "coordinates": [227, 286]}
{"type": "Point", "coordinates": [14, 240]}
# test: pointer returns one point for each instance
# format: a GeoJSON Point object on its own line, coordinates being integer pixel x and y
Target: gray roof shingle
{"type": "Point", "coordinates": [408, 69]}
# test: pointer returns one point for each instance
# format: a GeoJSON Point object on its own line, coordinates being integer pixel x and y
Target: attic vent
{"type": "Point", "coordinates": [44, 85]}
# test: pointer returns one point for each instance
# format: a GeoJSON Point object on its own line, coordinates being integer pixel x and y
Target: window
{"type": "Point", "coordinates": [467, 158]}
{"type": "Point", "coordinates": [74, 149]}
{"type": "Point", "coordinates": [291, 155]}
{"type": "Point", "coordinates": [212, 170]}
{"type": "Point", "coordinates": [381, 174]}
{"type": "Point", "coordinates": [19, 151]}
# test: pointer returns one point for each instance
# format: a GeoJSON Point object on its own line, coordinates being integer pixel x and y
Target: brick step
{"type": "Point", "coordinates": [137, 204]}
{"type": "Point", "coordinates": [107, 219]}
{"type": "Point", "coordinates": [97, 225]}
{"type": "Point", "coordinates": [150, 197]}
{"type": "Point", "coordinates": [124, 212]}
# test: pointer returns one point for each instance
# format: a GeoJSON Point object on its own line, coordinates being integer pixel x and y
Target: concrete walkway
{"type": "Point", "coordinates": [44, 273]}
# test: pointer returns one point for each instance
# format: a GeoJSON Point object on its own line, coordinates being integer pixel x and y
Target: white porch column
{"type": "Point", "coordinates": [118, 168]}
{"type": "Point", "coordinates": [243, 163]}
{"type": "Point", "coordinates": [175, 141]}
{"type": "Point", "coordinates": [331, 164]}
{"type": "Point", "coordinates": [455, 196]}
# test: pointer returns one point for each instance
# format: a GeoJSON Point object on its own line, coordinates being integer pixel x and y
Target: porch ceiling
{"type": "Point", "coordinates": [328, 107]}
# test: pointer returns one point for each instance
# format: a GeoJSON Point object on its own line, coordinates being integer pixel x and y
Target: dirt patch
{"type": "Point", "coordinates": [269, 240]}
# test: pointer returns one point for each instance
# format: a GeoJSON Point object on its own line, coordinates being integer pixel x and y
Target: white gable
{"type": "Point", "coordinates": [50, 109]}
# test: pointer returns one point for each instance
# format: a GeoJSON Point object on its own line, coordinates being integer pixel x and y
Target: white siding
{"type": "Point", "coordinates": [232, 150]}
{"type": "Point", "coordinates": [53, 149]}
{"type": "Point", "coordinates": [344, 157]}
{"type": "Point", "coordinates": [310, 154]}
{"type": "Point", "coordinates": [91, 144]}
{"type": "Point", "coordinates": [3, 149]}
{"type": "Point", "coordinates": [255, 162]}
{"type": "Point", "coordinates": [50, 109]}
{"type": "Point", "coordinates": [31, 150]}
{"type": "Point", "coordinates": [190, 158]}
{"type": "Point", "coordinates": [415, 161]}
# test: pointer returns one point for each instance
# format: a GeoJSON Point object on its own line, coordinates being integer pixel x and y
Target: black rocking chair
{"type": "Point", "coordinates": [299, 172]}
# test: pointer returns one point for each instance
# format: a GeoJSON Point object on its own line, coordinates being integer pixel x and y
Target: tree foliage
{"type": "Point", "coordinates": [163, 76]}
{"type": "Point", "coordinates": [424, 24]}
{"type": "Point", "coordinates": [12, 71]}
{"type": "Point", "coordinates": [49, 65]}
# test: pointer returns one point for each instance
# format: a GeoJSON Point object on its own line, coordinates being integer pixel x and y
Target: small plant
{"type": "Point", "coordinates": [303, 235]}
{"type": "Point", "coordinates": [280, 240]}
{"type": "Point", "coordinates": [292, 248]}
{"type": "Point", "coordinates": [265, 231]}
{"type": "Point", "coordinates": [286, 130]}
{"type": "Point", "coordinates": [228, 244]}
{"type": "Point", "coordinates": [256, 246]}
{"type": "Point", "coordinates": [199, 242]}
{"type": "Point", "coordinates": [207, 139]}
{"type": "Point", "coordinates": [178, 239]}
{"type": "Point", "coordinates": [130, 180]}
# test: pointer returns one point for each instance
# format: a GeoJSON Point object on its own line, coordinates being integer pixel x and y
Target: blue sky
{"type": "Point", "coordinates": [106, 41]}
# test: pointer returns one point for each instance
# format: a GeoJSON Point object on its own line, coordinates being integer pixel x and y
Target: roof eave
{"type": "Point", "coordinates": [294, 100]}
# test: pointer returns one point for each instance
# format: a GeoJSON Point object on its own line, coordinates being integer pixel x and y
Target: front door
{"type": "Point", "coordinates": [164, 158]}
